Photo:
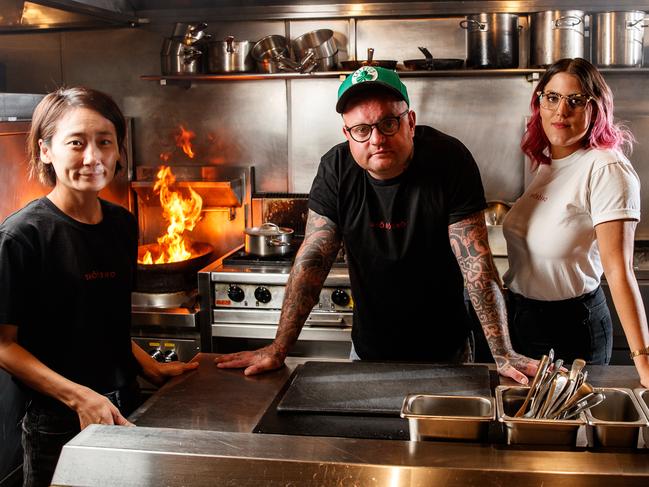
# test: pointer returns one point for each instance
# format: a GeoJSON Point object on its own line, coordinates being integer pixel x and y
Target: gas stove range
{"type": "Point", "coordinates": [245, 296]}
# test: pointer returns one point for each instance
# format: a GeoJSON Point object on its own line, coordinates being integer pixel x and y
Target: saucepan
{"type": "Point", "coordinates": [322, 44]}
{"type": "Point", "coordinates": [354, 65]}
{"type": "Point", "coordinates": [430, 63]}
{"type": "Point", "coordinates": [268, 239]}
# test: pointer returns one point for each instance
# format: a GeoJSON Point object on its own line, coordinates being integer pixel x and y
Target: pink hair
{"type": "Point", "coordinates": [603, 132]}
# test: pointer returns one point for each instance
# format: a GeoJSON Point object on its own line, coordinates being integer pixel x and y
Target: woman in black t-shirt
{"type": "Point", "coordinates": [67, 263]}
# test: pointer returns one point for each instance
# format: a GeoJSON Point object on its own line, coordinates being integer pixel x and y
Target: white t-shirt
{"type": "Point", "coordinates": [550, 231]}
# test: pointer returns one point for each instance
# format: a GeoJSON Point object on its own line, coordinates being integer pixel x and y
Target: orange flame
{"type": "Point", "coordinates": [183, 140]}
{"type": "Point", "coordinates": [182, 215]}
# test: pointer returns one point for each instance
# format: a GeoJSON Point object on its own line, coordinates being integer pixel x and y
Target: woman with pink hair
{"type": "Point", "coordinates": [575, 222]}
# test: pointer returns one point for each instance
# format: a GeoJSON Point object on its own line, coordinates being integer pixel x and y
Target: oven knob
{"type": "Point", "coordinates": [157, 355]}
{"type": "Point", "coordinates": [171, 356]}
{"type": "Point", "coordinates": [236, 294]}
{"type": "Point", "coordinates": [340, 297]}
{"type": "Point", "coordinates": [262, 295]}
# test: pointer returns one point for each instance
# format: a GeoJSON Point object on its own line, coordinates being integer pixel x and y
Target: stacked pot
{"type": "Point", "coordinates": [181, 53]}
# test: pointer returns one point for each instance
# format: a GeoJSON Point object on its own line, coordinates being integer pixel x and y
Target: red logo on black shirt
{"type": "Point", "coordinates": [94, 275]}
{"type": "Point", "coordinates": [382, 225]}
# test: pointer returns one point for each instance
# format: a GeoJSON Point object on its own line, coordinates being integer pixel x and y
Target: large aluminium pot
{"type": "Point", "coordinates": [172, 277]}
{"type": "Point", "coordinates": [492, 40]}
{"type": "Point", "coordinates": [554, 35]}
{"type": "Point", "coordinates": [618, 38]}
{"type": "Point", "coordinates": [230, 56]}
{"type": "Point", "coordinates": [268, 239]}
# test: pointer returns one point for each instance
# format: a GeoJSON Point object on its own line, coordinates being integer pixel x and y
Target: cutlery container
{"type": "Point", "coordinates": [532, 431]}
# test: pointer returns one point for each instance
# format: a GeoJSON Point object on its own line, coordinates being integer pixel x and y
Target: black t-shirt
{"type": "Point", "coordinates": [406, 282]}
{"type": "Point", "coordinates": [67, 286]}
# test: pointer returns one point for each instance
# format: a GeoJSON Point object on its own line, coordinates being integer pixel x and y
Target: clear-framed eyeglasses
{"type": "Point", "coordinates": [551, 100]}
{"type": "Point", "coordinates": [388, 126]}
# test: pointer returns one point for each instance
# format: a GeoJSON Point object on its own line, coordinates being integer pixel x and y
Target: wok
{"type": "Point", "coordinates": [352, 65]}
{"type": "Point", "coordinates": [174, 276]}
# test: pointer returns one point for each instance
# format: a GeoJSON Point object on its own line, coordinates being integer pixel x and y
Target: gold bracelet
{"type": "Point", "coordinates": [642, 351]}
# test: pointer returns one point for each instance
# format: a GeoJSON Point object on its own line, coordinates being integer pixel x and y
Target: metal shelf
{"type": "Point", "coordinates": [531, 73]}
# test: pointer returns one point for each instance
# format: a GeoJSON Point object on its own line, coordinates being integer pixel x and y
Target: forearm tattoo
{"type": "Point", "coordinates": [470, 245]}
{"type": "Point", "coordinates": [313, 261]}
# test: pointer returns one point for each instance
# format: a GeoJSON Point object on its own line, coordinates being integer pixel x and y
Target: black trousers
{"type": "Point", "coordinates": [575, 328]}
{"type": "Point", "coordinates": [48, 425]}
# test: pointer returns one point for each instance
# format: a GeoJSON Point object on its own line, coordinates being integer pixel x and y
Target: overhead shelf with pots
{"type": "Point", "coordinates": [530, 73]}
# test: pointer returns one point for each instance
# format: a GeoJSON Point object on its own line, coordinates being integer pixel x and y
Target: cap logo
{"type": "Point", "coordinates": [366, 73]}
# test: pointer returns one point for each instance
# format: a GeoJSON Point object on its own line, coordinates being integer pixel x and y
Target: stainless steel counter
{"type": "Point", "coordinates": [197, 431]}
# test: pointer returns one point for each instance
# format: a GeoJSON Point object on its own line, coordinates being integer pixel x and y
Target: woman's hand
{"type": "Point", "coordinates": [93, 408]}
{"type": "Point", "coordinates": [158, 373]}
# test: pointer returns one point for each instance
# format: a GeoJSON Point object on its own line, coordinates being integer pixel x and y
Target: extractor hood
{"type": "Point", "coordinates": [38, 15]}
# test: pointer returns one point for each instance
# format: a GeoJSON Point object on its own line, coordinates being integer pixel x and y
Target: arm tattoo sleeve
{"type": "Point", "coordinates": [322, 241]}
{"type": "Point", "coordinates": [470, 245]}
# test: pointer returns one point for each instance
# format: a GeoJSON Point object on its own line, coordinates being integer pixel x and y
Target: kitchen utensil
{"type": "Point", "coordinates": [268, 239]}
{"type": "Point", "coordinates": [271, 54]}
{"type": "Point", "coordinates": [615, 422]}
{"type": "Point", "coordinates": [618, 38]}
{"type": "Point", "coordinates": [230, 56]}
{"type": "Point", "coordinates": [351, 65]}
{"type": "Point", "coordinates": [584, 390]}
{"type": "Point", "coordinates": [174, 276]}
{"type": "Point", "coordinates": [558, 385]}
{"type": "Point", "coordinates": [586, 403]}
{"type": "Point", "coordinates": [190, 33]}
{"type": "Point", "coordinates": [492, 40]}
{"type": "Point", "coordinates": [321, 43]}
{"type": "Point", "coordinates": [540, 372]}
{"type": "Point", "coordinates": [545, 389]}
{"type": "Point", "coordinates": [178, 58]}
{"type": "Point", "coordinates": [448, 417]}
{"type": "Point", "coordinates": [429, 63]}
{"type": "Point", "coordinates": [556, 34]}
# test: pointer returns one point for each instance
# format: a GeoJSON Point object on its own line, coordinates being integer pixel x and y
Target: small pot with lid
{"type": "Point", "coordinates": [268, 239]}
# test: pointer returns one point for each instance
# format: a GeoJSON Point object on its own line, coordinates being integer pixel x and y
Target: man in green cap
{"type": "Point", "coordinates": [407, 202]}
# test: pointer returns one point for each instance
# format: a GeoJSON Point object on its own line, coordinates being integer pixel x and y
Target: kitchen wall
{"type": "Point", "coordinates": [282, 127]}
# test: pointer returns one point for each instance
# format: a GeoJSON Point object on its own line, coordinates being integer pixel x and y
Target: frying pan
{"type": "Point", "coordinates": [352, 65]}
{"type": "Point", "coordinates": [431, 63]}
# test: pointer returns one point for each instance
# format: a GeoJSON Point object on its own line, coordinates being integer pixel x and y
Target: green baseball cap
{"type": "Point", "coordinates": [370, 77]}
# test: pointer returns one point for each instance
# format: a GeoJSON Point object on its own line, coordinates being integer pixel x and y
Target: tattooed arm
{"type": "Point", "coordinates": [312, 264]}
{"type": "Point", "coordinates": [470, 245]}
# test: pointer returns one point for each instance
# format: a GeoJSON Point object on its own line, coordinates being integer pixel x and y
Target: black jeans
{"type": "Point", "coordinates": [49, 425]}
{"type": "Point", "coordinates": [575, 328]}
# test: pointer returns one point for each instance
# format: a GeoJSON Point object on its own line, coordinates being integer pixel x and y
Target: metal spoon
{"type": "Point", "coordinates": [582, 391]}
{"type": "Point", "coordinates": [540, 372]}
{"type": "Point", "coordinates": [544, 387]}
{"type": "Point", "coordinates": [588, 402]}
{"type": "Point", "coordinates": [559, 384]}
{"type": "Point", "coordinates": [575, 371]}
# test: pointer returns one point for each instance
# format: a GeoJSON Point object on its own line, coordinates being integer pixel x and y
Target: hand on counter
{"type": "Point", "coordinates": [156, 372]}
{"type": "Point", "coordinates": [264, 359]}
{"type": "Point", "coordinates": [93, 408]}
{"type": "Point", "coordinates": [516, 366]}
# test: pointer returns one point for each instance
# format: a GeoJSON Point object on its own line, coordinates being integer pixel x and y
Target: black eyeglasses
{"type": "Point", "coordinates": [551, 100]}
{"type": "Point", "coordinates": [388, 126]}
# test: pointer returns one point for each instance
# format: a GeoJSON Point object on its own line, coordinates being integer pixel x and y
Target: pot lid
{"type": "Point", "coordinates": [268, 230]}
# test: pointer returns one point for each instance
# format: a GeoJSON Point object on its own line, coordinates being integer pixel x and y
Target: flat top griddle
{"type": "Point", "coordinates": [376, 388]}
